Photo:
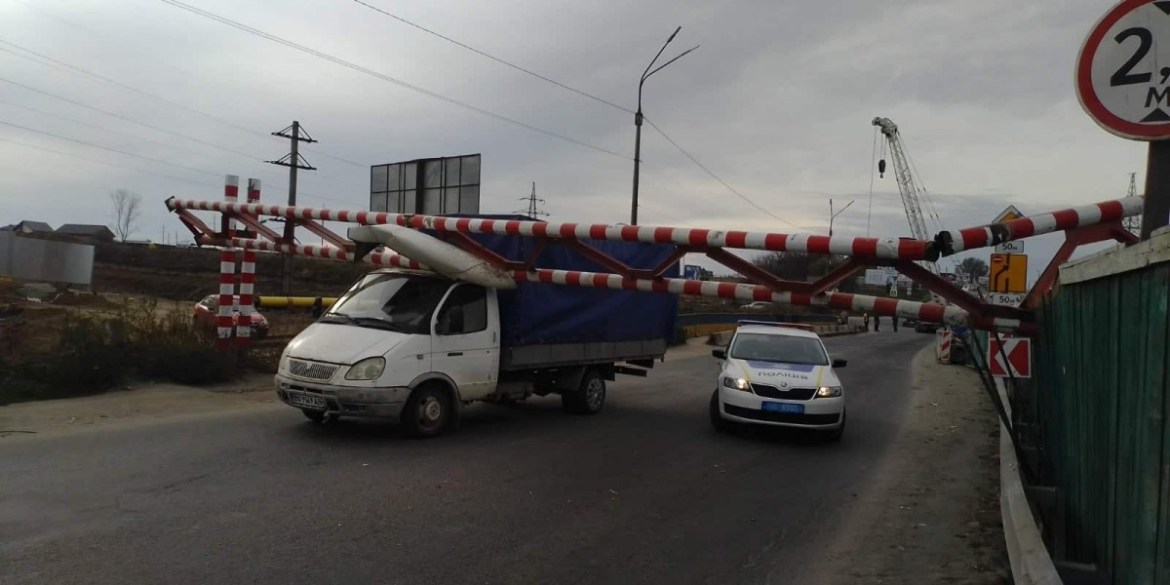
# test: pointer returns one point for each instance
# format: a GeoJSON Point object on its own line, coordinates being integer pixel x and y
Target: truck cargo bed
{"type": "Point", "coordinates": [527, 357]}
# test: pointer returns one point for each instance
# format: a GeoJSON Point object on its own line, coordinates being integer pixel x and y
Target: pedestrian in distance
{"type": "Point", "coordinates": [877, 322]}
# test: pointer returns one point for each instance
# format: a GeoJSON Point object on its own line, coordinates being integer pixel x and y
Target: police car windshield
{"type": "Point", "coordinates": [785, 349]}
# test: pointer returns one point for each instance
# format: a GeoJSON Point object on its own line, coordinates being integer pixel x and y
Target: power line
{"type": "Point", "coordinates": [101, 162]}
{"type": "Point", "coordinates": [104, 79]}
{"type": "Point", "coordinates": [716, 177]}
{"type": "Point", "coordinates": [102, 128]}
{"type": "Point", "coordinates": [122, 152]}
{"type": "Point", "coordinates": [872, 162]}
{"type": "Point", "coordinates": [384, 77]}
{"type": "Point", "coordinates": [50, 61]}
{"type": "Point", "coordinates": [128, 119]}
{"type": "Point", "coordinates": [496, 59]}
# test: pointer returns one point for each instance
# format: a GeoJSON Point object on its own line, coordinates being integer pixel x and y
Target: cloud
{"type": "Point", "coordinates": [777, 101]}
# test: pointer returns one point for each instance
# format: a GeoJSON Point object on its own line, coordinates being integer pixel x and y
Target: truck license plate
{"type": "Point", "coordinates": [783, 407]}
{"type": "Point", "coordinates": [306, 401]}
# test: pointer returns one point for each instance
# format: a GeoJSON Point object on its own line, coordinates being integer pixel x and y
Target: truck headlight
{"type": "Point", "coordinates": [367, 369]}
{"type": "Point", "coordinates": [828, 391]}
{"type": "Point", "coordinates": [735, 383]}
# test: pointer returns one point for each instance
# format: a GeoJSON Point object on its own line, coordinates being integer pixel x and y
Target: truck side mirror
{"type": "Point", "coordinates": [840, 363]}
{"type": "Point", "coordinates": [719, 354]}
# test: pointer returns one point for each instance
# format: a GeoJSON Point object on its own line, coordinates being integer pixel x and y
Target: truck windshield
{"type": "Point", "coordinates": [399, 302]}
{"type": "Point", "coordinates": [785, 349]}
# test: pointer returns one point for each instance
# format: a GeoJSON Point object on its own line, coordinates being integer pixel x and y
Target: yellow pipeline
{"type": "Point", "coordinates": [294, 302]}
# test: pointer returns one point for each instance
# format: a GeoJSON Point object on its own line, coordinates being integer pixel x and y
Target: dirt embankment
{"type": "Point", "coordinates": [932, 513]}
{"type": "Point", "coordinates": [174, 273]}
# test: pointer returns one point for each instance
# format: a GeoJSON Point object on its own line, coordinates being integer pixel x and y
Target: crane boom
{"type": "Point", "coordinates": [906, 184]}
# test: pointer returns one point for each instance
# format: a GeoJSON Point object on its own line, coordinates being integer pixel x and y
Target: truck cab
{"type": "Point", "coordinates": [416, 346]}
{"type": "Point", "coordinates": [395, 331]}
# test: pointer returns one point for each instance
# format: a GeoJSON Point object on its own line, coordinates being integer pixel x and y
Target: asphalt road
{"type": "Point", "coordinates": [645, 492]}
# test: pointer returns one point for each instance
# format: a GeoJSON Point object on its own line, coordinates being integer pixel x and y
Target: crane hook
{"type": "Point", "coordinates": [882, 168]}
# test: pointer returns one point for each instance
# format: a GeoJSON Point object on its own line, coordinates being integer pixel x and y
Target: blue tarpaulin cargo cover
{"type": "Point", "coordinates": [539, 314]}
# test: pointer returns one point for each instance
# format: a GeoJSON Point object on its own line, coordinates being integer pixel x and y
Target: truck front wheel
{"type": "Point", "coordinates": [589, 398]}
{"type": "Point", "coordinates": [426, 412]}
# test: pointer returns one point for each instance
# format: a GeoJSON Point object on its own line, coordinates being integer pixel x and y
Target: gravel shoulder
{"type": "Point", "coordinates": [132, 405]}
{"type": "Point", "coordinates": [931, 515]}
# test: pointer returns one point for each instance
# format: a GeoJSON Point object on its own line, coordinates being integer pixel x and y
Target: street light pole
{"type": "Point", "coordinates": [638, 116]}
{"type": "Point", "coordinates": [833, 216]}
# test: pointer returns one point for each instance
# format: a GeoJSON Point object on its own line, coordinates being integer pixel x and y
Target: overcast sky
{"type": "Point", "coordinates": [777, 102]}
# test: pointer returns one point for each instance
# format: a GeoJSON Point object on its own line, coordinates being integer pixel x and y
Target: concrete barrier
{"type": "Point", "coordinates": [1027, 554]}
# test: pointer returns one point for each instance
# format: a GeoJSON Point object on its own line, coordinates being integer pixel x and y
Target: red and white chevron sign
{"type": "Point", "coordinates": [1016, 355]}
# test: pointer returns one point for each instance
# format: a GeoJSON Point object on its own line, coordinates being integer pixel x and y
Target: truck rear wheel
{"type": "Point", "coordinates": [426, 412]}
{"type": "Point", "coordinates": [588, 398]}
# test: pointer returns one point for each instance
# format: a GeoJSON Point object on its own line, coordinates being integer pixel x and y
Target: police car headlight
{"type": "Point", "coordinates": [828, 391]}
{"type": "Point", "coordinates": [367, 369]}
{"type": "Point", "coordinates": [735, 383]}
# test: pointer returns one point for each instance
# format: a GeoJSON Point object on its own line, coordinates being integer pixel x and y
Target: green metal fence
{"type": "Point", "coordinates": [1097, 413]}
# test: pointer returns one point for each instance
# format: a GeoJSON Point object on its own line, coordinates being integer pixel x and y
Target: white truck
{"type": "Point", "coordinates": [416, 346]}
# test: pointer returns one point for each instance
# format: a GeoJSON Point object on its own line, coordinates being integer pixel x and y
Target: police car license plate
{"type": "Point", "coordinates": [306, 401]}
{"type": "Point", "coordinates": [783, 407]}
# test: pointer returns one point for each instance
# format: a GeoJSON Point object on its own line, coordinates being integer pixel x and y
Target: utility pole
{"type": "Point", "coordinates": [638, 116]}
{"type": "Point", "coordinates": [833, 216]}
{"type": "Point", "coordinates": [294, 161]}
{"type": "Point", "coordinates": [532, 200]}
{"type": "Point", "coordinates": [1133, 223]}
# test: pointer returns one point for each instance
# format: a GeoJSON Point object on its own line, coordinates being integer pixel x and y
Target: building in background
{"type": "Point", "coordinates": [29, 227]}
{"type": "Point", "coordinates": [80, 232]}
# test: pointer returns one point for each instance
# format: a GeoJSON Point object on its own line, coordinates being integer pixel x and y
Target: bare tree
{"type": "Point", "coordinates": [127, 207]}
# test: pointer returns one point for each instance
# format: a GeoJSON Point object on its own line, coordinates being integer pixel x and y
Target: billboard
{"type": "Point", "coordinates": [880, 277]}
{"type": "Point", "coordinates": [431, 186]}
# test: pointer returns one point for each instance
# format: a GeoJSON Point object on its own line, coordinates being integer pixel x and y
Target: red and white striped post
{"type": "Point", "coordinates": [227, 268]}
{"type": "Point", "coordinates": [248, 276]}
{"type": "Point", "coordinates": [942, 348]}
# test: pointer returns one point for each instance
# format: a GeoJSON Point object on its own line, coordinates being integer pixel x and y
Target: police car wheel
{"type": "Point", "coordinates": [719, 423]}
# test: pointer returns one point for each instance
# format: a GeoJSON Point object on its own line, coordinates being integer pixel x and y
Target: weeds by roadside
{"type": "Point", "coordinates": [93, 351]}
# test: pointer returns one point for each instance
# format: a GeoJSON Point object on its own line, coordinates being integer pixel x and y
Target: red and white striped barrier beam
{"type": "Point", "coordinates": [954, 241]}
{"type": "Point", "coordinates": [885, 248]}
{"type": "Point", "coordinates": [326, 252]}
{"type": "Point", "coordinates": [928, 312]}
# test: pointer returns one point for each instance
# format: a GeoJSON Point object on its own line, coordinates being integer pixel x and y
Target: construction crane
{"type": "Point", "coordinates": [906, 185]}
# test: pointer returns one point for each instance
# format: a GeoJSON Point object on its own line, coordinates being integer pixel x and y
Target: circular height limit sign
{"type": "Point", "coordinates": [1123, 72]}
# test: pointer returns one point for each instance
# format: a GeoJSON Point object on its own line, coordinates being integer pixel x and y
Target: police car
{"type": "Point", "coordinates": [779, 375]}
